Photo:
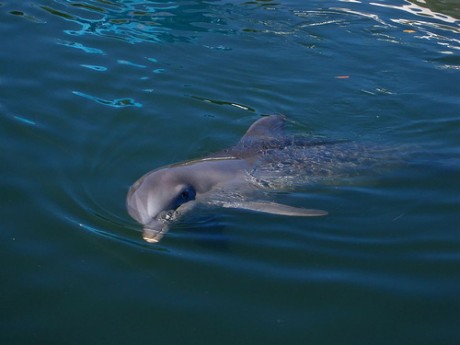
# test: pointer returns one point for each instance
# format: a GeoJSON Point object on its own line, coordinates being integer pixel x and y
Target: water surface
{"type": "Point", "coordinates": [96, 93]}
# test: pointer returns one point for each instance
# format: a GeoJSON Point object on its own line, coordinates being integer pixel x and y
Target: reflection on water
{"type": "Point", "coordinates": [447, 22]}
{"type": "Point", "coordinates": [116, 103]}
{"type": "Point", "coordinates": [424, 22]}
{"type": "Point", "coordinates": [76, 45]}
{"type": "Point", "coordinates": [451, 8]}
{"type": "Point", "coordinates": [418, 9]}
{"type": "Point", "coordinates": [175, 21]}
{"type": "Point", "coordinates": [232, 104]}
{"type": "Point", "coordinates": [131, 21]}
{"type": "Point", "coordinates": [27, 16]}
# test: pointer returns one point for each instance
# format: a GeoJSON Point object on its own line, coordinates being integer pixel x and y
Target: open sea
{"type": "Point", "coordinates": [95, 93]}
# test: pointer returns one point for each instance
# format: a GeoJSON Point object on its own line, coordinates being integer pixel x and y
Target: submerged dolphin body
{"type": "Point", "coordinates": [264, 158]}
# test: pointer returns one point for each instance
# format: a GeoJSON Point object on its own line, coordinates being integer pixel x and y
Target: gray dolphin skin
{"type": "Point", "coordinates": [264, 159]}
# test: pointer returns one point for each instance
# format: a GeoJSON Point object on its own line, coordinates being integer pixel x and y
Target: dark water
{"type": "Point", "coordinates": [96, 93]}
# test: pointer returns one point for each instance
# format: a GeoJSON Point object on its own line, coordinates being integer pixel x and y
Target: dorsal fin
{"type": "Point", "coordinates": [269, 127]}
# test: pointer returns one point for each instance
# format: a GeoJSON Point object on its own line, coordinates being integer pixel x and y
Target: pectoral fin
{"type": "Point", "coordinates": [275, 208]}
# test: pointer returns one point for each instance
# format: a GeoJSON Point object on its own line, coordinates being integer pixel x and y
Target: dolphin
{"type": "Point", "coordinates": [227, 179]}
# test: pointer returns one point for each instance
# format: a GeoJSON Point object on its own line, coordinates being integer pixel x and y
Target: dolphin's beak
{"type": "Point", "coordinates": [154, 231]}
{"type": "Point", "coordinates": [159, 226]}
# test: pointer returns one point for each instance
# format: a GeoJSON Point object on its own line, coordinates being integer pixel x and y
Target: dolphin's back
{"type": "Point", "coordinates": [327, 162]}
{"type": "Point", "coordinates": [277, 160]}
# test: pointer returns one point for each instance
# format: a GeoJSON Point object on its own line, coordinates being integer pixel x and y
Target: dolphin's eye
{"type": "Point", "coordinates": [185, 195]}
{"type": "Point", "coordinates": [188, 194]}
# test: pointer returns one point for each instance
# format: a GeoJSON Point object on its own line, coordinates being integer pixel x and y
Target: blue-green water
{"type": "Point", "coordinates": [95, 93]}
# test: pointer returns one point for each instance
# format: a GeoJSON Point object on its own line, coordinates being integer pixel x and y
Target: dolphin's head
{"type": "Point", "coordinates": [158, 198]}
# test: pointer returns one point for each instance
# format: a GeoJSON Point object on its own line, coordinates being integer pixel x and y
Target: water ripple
{"type": "Point", "coordinates": [115, 103]}
{"type": "Point", "coordinates": [27, 16]}
{"type": "Point", "coordinates": [346, 69]}
{"type": "Point", "coordinates": [419, 10]}
{"type": "Point", "coordinates": [130, 21]}
{"type": "Point", "coordinates": [80, 46]}
{"type": "Point", "coordinates": [95, 68]}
